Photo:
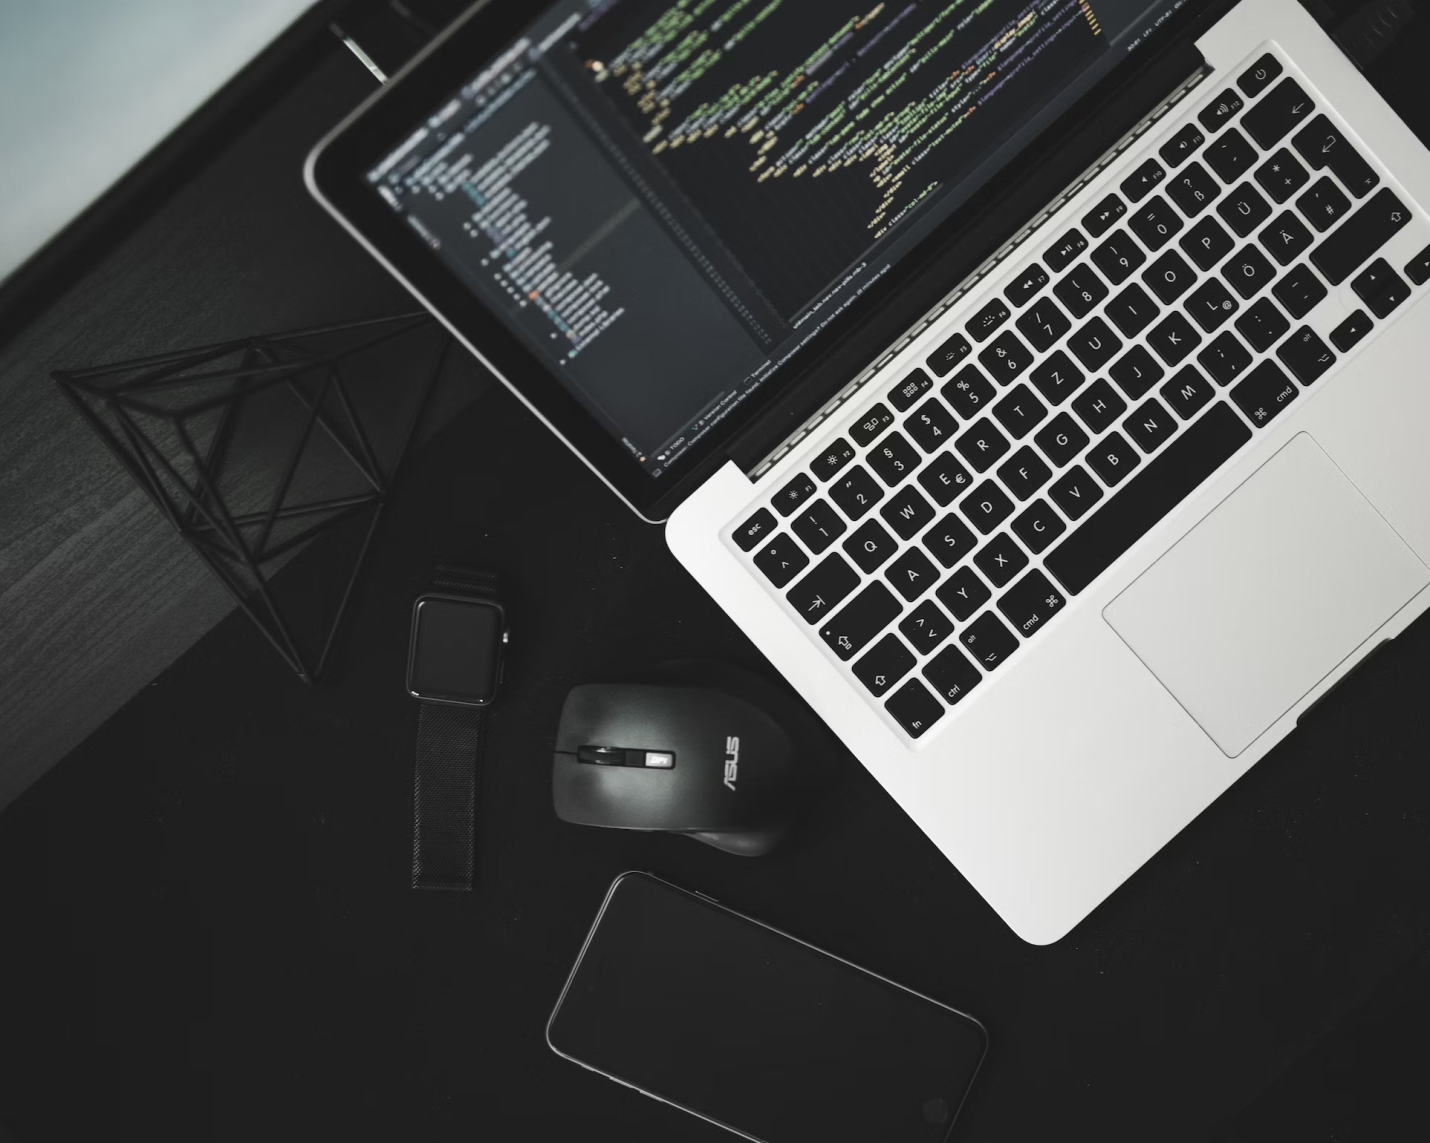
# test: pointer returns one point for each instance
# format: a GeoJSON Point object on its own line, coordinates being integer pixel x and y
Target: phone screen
{"type": "Point", "coordinates": [755, 1030]}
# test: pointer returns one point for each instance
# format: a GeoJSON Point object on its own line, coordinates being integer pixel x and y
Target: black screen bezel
{"type": "Point", "coordinates": [337, 166]}
{"type": "Point", "coordinates": [734, 917]}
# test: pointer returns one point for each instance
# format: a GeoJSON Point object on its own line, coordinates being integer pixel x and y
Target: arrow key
{"type": "Point", "coordinates": [1380, 287]}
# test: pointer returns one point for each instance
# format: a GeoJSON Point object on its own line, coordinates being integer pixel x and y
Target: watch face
{"type": "Point", "coordinates": [456, 645]}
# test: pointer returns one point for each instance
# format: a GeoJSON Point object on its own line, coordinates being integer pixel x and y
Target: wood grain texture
{"type": "Point", "coordinates": [97, 594]}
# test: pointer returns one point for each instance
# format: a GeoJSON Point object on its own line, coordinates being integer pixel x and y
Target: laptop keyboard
{"type": "Point", "coordinates": [957, 515]}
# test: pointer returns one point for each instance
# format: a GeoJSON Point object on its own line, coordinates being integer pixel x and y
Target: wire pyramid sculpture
{"type": "Point", "coordinates": [253, 448]}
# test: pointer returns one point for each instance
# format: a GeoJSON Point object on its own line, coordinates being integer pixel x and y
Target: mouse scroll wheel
{"type": "Point", "coordinates": [619, 756]}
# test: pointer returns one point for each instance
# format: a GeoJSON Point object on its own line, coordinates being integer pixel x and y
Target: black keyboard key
{"type": "Point", "coordinates": [1225, 359]}
{"type": "Point", "coordinates": [1193, 190]}
{"type": "Point", "coordinates": [1155, 223]}
{"type": "Point", "coordinates": [913, 708]}
{"type": "Point", "coordinates": [926, 627]}
{"type": "Point", "coordinates": [1020, 411]}
{"type": "Point", "coordinates": [982, 445]}
{"type": "Point", "coordinates": [1024, 473]}
{"type": "Point", "coordinates": [1263, 393]}
{"type": "Point", "coordinates": [1150, 425]}
{"type": "Point", "coordinates": [1166, 481]}
{"type": "Point", "coordinates": [1181, 146]}
{"type": "Point", "coordinates": [753, 530]}
{"type": "Point", "coordinates": [1262, 325]}
{"type": "Point", "coordinates": [1103, 215]}
{"type": "Point", "coordinates": [1244, 209]}
{"type": "Point", "coordinates": [1000, 559]}
{"type": "Point", "coordinates": [987, 506]}
{"type": "Point", "coordinates": [981, 325]}
{"type": "Point", "coordinates": [1218, 114]}
{"type": "Point", "coordinates": [1030, 603]}
{"type": "Point", "coordinates": [1358, 238]}
{"type": "Point", "coordinates": [834, 457]}
{"type": "Point", "coordinates": [988, 641]}
{"type": "Point", "coordinates": [1281, 176]}
{"type": "Point", "coordinates": [1044, 323]}
{"type": "Point", "coordinates": [949, 354]}
{"type": "Point", "coordinates": [1094, 344]}
{"type": "Point", "coordinates": [1098, 406]}
{"type": "Point", "coordinates": [1231, 156]}
{"type": "Point", "coordinates": [1131, 310]}
{"type": "Point", "coordinates": [1306, 355]}
{"type": "Point", "coordinates": [1187, 392]}
{"type": "Point", "coordinates": [1080, 290]}
{"type": "Point", "coordinates": [1418, 268]}
{"type": "Point", "coordinates": [1325, 148]}
{"type": "Point", "coordinates": [950, 540]}
{"type": "Point", "coordinates": [1323, 204]}
{"type": "Point", "coordinates": [963, 593]}
{"type": "Point", "coordinates": [968, 392]}
{"type": "Point", "coordinates": [1061, 439]}
{"type": "Point", "coordinates": [818, 526]}
{"type": "Point", "coordinates": [1057, 378]}
{"type": "Point", "coordinates": [1380, 287]}
{"type": "Point", "coordinates": [855, 492]}
{"type": "Point", "coordinates": [1351, 330]}
{"type": "Point", "coordinates": [911, 574]}
{"type": "Point", "coordinates": [893, 458]}
{"type": "Point", "coordinates": [910, 389]}
{"type": "Point", "coordinates": [931, 425]}
{"type": "Point", "coordinates": [1065, 251]}
{"type": "Point", "coordinates": [1207, 243]}
{"type": "Point", "coordinates": [1118, 256]}
{"type": "Point", "coordinates": [1173, 338]}
{"type": "Point", "coordinates": [793, 494]}
{"type": "Point", "coordinates": [1006, 357]}
{"type": "Point", "coordinates": [1211, 304]}
{"type": "Point", "coordinates": [871, 424]}
{"type": "Point", "coordinates": [862, 618]}
{"type": "Point", "coordinates": [951, 674]}
{"type": "Point", "coordinates": [1135, 372]}
{"type": "Point", "coordinates": [907, 512]}
{"type": "Point", "coordinates": [1038, 526]}
{"type": "Point", "coordinates": [1075, 492]}
{"type": "Point", "coordinates": [1278, 111]}
{"type": "Point", "coordinates": [1286, 238]}
{"type": "Point", "coordinates": [1255, 79]}
{"type": "Point", "coordinates": [1026, 285]}
{"type": "Point", "coordinates": [1169, 277]}
{"type": "Point", "coordinates": [1138, 185]}
{"type": "Point", "coordinates": [945, 479]}
{"type": "Point", "coordinates": [1248, 271]}
{"type": "Point", "coordinates": [821, 591]}
{"type": "Point", "coordinates": [887, 662]}
{"type": "Point", "coordinates": [870, 546]}
{"type": "Point", "coordinates": [781, 560]}
{"type": "Point", "coordinates": [1112, 458]}
{"type": "Point", "coordinates": [1299, 290]}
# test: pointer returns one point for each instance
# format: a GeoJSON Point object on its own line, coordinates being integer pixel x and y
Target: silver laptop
{"type": "Point", "coordinates": [1038, 385]}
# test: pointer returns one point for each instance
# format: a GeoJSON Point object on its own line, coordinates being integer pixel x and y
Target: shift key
{"type": "Point", "coordinates": [1360, 236]}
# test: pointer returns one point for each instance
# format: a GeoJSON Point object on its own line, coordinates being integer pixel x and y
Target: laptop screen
{"type": "Point", "coordinates": [668, 200]}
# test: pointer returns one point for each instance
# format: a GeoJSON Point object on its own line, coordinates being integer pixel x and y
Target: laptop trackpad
{"type": "Point", "coordinates": [1260, 601]}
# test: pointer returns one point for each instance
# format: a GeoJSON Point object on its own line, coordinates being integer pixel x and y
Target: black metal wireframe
{"type": "Point", "coordinates": [153, 413]}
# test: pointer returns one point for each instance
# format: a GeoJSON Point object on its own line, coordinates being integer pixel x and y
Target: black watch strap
{"type": "Point", "coordinates": [450, 741]}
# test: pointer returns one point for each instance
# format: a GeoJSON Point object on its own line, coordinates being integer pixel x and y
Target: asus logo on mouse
{"type": "Point", "coordinates": [732, 761]}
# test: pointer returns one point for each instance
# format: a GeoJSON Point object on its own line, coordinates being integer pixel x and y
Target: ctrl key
{"type": "Point", "coordinates": [914, 708]}
{"type": "Point", "coordinates": [952, 675]}
{"type": "Point", "coordinates": [1264, 393]}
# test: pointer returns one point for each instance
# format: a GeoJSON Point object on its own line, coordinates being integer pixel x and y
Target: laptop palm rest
{"type": "Point", "coordinates": [1261, 600]}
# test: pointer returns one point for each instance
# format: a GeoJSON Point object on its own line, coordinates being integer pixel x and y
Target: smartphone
{"type": "Point", "coordinates": [750, 1028]}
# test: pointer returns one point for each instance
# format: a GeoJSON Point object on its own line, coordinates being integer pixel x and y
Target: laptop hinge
{"type": "Point", "coordinates": [987, 267]}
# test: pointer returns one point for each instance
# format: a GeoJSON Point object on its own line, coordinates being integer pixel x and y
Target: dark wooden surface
{"type": "Point", "coordinates": [97, 594]}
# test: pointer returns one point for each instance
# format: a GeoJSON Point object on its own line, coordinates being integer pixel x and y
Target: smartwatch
{"type": "Point", "coordinates": [454, 666]}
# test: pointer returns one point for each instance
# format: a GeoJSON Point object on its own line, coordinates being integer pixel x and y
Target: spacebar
{"type": "Point", "coordinates": [1147, 497]}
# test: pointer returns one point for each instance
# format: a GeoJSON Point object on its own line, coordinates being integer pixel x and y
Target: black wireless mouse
{"type": "Point", "coordinates": [705, 749]}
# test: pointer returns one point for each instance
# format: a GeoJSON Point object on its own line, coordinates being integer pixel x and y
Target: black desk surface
{"type": "Point", "coordinates": [206, 929]}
